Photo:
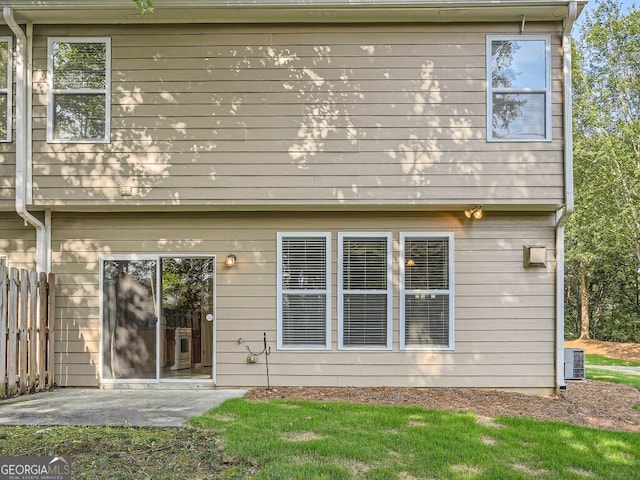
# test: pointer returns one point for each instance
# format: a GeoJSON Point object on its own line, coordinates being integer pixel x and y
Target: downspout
{"type": "Point", "coordinates": [562, 215]}
{"type": "Point", "coordinates": [22, 125]}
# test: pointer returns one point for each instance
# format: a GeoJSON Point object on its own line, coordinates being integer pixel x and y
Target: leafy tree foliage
{"type": "Point", "coordinates": [144, 6]}
{"type": "Point", "coordinates": [603, 235]}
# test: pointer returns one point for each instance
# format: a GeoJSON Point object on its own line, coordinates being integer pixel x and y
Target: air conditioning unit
{"type": "Point", "coordinates": [574, 364]}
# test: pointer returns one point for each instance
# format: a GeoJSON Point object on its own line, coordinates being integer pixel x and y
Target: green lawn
{"type": "Point", "coordinates": [593, 359]}
{"type": "Point", "coordinates": [307, 440]}
{"type": "Point", "coordinates": [595, 373]}
{"type": "Point", "coordinates": [594, 370]}
{"type": "Point", "coordinates": [293, 440]}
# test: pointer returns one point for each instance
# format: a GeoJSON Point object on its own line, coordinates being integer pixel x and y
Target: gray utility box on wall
{"type": "Point", "coordinates": [574, 364]}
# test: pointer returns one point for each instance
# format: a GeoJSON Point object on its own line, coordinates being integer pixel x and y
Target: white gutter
{"type": "Point", "coordinates": [562, 215]}
{"type": "Point", "coordinates": [22, 126]}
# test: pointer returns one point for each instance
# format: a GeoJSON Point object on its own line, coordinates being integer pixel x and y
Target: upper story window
{"type": "Point", "coordinates": [304, 290]}
{"type": "Point", "coordinates": [364, 290]}
{"type": "Point", "coordinates": [426, 291]}
{"type": "Point", "coordinates": [518, 88]}
{"type": "Point", "coordinates": [5, 88]}
{"type": "Point", "coordinates": [79, 74]}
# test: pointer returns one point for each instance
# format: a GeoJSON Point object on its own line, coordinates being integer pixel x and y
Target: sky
{"type": "Point", "coordinates": [592, 5]}
{"type": "Point", "coordinates": [625, 4]}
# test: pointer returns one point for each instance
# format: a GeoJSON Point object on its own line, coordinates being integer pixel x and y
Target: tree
{"type": "Point", "coordinates": [603, 235]}
{"type": "Point", "coordinates": [144, 6]}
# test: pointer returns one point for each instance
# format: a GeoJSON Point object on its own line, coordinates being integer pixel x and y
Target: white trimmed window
{"type": "Point", "coordinates": [426, 291]}
{"type": "Point", "coordinates": [304, 290]}
{"type": "Point", "coordinates": [364, 291]}
{"type": "Point", "coordinates": [6, 69]}
{"type": "Point", "coordinates": [519, 88]}
{"type": "Point", "coordinates": [79, 74]}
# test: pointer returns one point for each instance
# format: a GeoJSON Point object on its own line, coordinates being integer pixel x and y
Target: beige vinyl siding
{"type": "Point", "coordinates": [504, 315]}
{"type": "Point", "coordinates": [17, 241]}
{"type": "Point", "coordinates": [310, 114]}
{"type": "Point", "coordinates": [7, 176]}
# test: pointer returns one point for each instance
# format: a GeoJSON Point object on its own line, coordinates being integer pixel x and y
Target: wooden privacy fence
{"type": "Point", "coordinates": [26, 331]}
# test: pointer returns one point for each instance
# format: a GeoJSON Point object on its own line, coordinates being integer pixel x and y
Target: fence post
{"type": "Point", "coordinates": [50, 327]}
{"type": "Point", "coordinates": [42, 329]}
{"type": "Point", "coordinates": [12, 328]}
{"type": "Point", "coordinates": [3, 329]}
{"type": "Point", "coordinates": [34, 359]}
{"type": "Point", "coordinates": [23, 322]}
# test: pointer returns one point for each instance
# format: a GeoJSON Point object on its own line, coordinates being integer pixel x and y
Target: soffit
{"type": "Point", "coordinates": [294, 11]}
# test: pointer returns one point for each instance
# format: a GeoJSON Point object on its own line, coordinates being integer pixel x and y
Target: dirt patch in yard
{"type": "Point", "coordinates": [621, 351]}
{"type": "Point", "coordinates": [588, 403]}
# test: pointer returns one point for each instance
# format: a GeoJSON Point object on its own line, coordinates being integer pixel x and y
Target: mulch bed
{"type": "Point", "coordinates": [590, 403]}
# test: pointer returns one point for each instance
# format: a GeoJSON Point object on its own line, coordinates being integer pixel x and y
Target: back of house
{"type": "Point", "coordinates": [371, 192]}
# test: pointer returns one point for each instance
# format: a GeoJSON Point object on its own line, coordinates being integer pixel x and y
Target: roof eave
{"type": "Point", "coordinates": [296, 11]}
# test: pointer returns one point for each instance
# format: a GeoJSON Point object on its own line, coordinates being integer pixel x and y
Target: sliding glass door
{"type": "Point", "coordinates": [186, 333]}
{"type": "Point", "coordinates": [158, 318]}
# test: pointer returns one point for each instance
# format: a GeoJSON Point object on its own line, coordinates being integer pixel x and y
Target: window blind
{"type": "Point", "coordinates": [427, 319]}
{"type": "Point", "coordinates": [426, 292]}
{"type": "Point", "coordinates": [365, 291]}
{"type": "Point", "coordinates": [304, 289]}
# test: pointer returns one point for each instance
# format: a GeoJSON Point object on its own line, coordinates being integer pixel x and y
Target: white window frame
{"type": "Point", "coordinates": [8, 91]}
{"type": "Point", "coordinates": [327, 291]}
{"type": "Point", "coordinates": [449, 291]}
{"type": "Point", "coordinates": [546, 91]}
{"type": "Point", "coordinates": [51, 92]}
{"type": "Point", "coordinates": [388, 290]}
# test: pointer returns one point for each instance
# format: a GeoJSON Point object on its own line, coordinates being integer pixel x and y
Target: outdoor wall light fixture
{"type": "Point", "coordinates": [230, 261]}
{"type": "Point", "coordinates": [475, 213]}
{"type": "Point", "coordinates": [411, 263]}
